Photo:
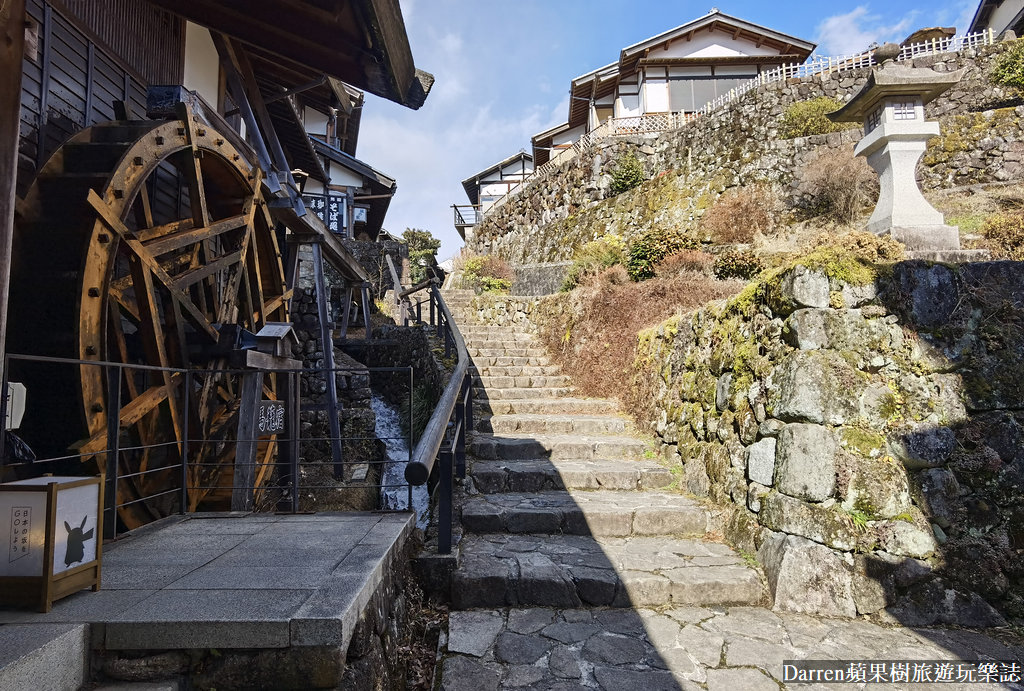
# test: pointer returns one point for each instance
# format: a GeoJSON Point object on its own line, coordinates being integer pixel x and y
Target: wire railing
{"type": "Point", "coordinates": [281, 464]}
{"type": "Point", "coordinates": [662, 122]}
{"type": "Point", "coordinates": [444, 437]}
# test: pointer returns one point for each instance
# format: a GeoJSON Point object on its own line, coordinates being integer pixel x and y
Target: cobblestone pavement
{"type": "Point", "coordinates": [719, 649]}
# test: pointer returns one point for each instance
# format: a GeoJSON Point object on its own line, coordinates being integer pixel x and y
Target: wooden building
{"type": "Point", "coordinates": [677, 71]}
{"type": "Point", "coordinates": [151, 188]}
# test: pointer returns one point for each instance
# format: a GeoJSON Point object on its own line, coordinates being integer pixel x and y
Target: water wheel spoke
{"type": "Point", "coordinates": [149, 232]}
{"type": "Point", "coordinates": [131, 413]}
{"type": "Point", "coordinates": [114, 223]}
{"type": "Point", "coordinates": [192, 235]}
{"type": "Point", "coordinates": [184, 280]}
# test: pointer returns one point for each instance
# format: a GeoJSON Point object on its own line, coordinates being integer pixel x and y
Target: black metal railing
{"type": "Point", "coordinates": [182, 462]}
{"type": "Point", "coordinates": [444, 437]}
{"type": "Point", "coordinates": [467, 214]}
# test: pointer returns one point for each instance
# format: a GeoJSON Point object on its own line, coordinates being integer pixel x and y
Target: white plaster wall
{"type": "Point", "coordinates": [313, 187]}
{"type": "Point", "coordinates": [202, 66]}
{"type": "Point", "coordinates": [315, 122]}
{"type": "Point", "coordinates": [1003, 15]}
{"type": "Point", "coordinates": [343, 176]}
{"type": "Point", "coordinates": [569, 136]}
{"type": "Point", "coordinates": [516, 169]}
{"type": "Point", "coordinates": [627, 106]}
{"type": "Point", "coordinates": [710, 44]}
{"type": "Point", "coordinates": [656, 96]}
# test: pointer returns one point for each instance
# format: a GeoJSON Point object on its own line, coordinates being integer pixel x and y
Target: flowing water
{"type": "Point", "coordinates": [394, 492]}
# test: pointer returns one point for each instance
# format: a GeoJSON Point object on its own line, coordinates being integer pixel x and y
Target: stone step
{"type": "Point", "coordinates": [481, 329]}
{"type": "Point", "coordinates": [526, 382]}
{"type": "Point", "coordinates": [497, 570]}
{"type": "Point", "coordinates": [605, 513]}
{"type": "Point", "coordinates": [493, 447]}
{"type": "Point", "coordinates": [503, 361]}
{"type": "Point", "coordinates": [496, 393]}
{"type": "Point", "coordinates": [545, 474]}
{"type": "Point", "coordinates": [46, 655]}
{"type": "Point", "coordinates": [544, 406]}
{"type": "Point", "coordinates": [500, 344]}
{"type": "Point", "coordinates": [551, 424]}
{"type": "Point", "coordinates": [515, 370]}
{"type": "Point", "coordinates": [512, 351]}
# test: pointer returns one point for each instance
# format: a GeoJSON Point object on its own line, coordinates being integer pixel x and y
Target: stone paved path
{"type": "Point", "coordinates": [719, 649]}
{"type": "Point", "coordinates": [579, 568]}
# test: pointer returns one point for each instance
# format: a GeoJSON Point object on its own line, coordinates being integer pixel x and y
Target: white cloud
{"type": "Point", "coordinates": [478, 112]}
{"type": "Point", "coordinates": [853, 32]}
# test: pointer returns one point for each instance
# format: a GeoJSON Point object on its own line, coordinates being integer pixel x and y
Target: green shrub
{"type": "Point", "coordinates": [593, 258]}
{"type": "Point", "coordinates": [737, 264]}
{"type": "Point", "coordinates": [629, 173]}
{"type": "Point", "coordinates": [804, 118]}
{"type": "Point", "coordinates": [489, 273]}
{"type": "Point", "coordinates": [1009, 67]}
{"type": "Point", "coordinates": [648, 249]}
{"type": "Point", "coordinates": [1005, 235]}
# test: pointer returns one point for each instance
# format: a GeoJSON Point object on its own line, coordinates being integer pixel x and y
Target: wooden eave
{"type": "Point", "coordinates": [730, 60]}
{"type": "Point", "coordinates": [360, 42]}
{"type": "Point", "coordinates": [380, 187]}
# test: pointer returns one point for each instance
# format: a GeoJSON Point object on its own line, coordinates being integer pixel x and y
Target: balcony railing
{"type": "Point", "coordinates": [467, 215]}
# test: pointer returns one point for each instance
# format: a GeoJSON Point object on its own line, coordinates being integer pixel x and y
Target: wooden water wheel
{"type": "Point", "coordinates": [138, 242]}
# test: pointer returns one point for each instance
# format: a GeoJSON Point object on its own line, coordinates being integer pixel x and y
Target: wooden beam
{"type": "Point", "coordinates": [111, 220]}
{"type": "Point", "coordinates": [12, 42]}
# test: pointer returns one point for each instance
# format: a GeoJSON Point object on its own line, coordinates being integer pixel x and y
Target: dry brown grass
{"type": "Point", "coordinates": [837, 185]}
{"type": "Point", "coordinates": [596, 342]}
{"type": "Point", "coordinates": [693, 261]}
{"type": "Point", "coordinates": [740, 214]}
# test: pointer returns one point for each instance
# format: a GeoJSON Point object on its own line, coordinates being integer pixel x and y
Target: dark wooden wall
{"type": "Point", "coordinates": [70, 79]}
{"type": "Point", "coordinates": [148, 39]}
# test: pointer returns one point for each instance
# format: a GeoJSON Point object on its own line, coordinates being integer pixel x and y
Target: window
{"type": "Point", "coordinates": [874, 120]}
{"type": "Point", "coordinates": [903, 110]}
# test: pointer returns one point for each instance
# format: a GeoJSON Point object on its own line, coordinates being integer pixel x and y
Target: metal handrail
{"type": "Point", "coordinates": [444, 436]}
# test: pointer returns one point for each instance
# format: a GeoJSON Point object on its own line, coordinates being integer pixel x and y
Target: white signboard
{"type": "Point", "coordinates": [75, 530]}
{"type": "Point", "coordinates": [23, 524]}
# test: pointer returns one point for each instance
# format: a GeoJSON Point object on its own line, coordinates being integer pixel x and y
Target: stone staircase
{"type": "Point", "coordinates": [566, 507]}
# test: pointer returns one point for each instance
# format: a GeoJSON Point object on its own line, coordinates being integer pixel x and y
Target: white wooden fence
{"type": "Point", "coordinates": [662, 122]}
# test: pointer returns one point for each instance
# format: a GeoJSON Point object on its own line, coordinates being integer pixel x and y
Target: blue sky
{"type": "Point", "coordinates": [503, 71]}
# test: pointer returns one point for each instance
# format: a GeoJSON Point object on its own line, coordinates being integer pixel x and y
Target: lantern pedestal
{"type": "Point", "coordinates": [54, 533]}
{"type": "Point", "coordinates": [891, 108]}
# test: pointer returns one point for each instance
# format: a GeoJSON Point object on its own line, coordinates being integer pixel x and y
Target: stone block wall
{"type": "Point", "coordinates": [361, 451]}
{"type": "Point", "coordinates": [370, 256]}
{"type": "Point", "coordinates": [690, 167]}
{"type": "Point", "coordinates": [866, 438]}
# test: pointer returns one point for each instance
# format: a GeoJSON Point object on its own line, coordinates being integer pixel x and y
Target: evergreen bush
{"type": "Point", "coordinates": [648, 249]}
{"type": "Point", "coordinates": [804, 118]}
{"type": "Point", "coordinates": [629, 173]}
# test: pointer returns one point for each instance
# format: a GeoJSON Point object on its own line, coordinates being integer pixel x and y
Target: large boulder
{"type": "Point", "coordinates": [820, 523]}
{"type": "Point", "coordinates": [805, 462]}
{"type": "Point", "coordinates": [807, 577]}
{"type": "Point", "coordinates": [815, 386]}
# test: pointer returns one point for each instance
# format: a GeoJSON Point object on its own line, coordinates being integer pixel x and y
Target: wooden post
{"type": "Point", "coordinates": [244, 483]}
{"type": "Point", "coordinates": [12, 44]}
{"type": "Point", "coordinates": [366, 309]}
{"type": "Point", "coordinates": [334, 424]}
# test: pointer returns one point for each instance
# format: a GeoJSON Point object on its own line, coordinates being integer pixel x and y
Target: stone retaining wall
{"type": "Point", "coordinates": [539, 279]}
{"type": "Point", "coordinates": [867, 437]}
{"type": "Point", "coordinates": [690, 167]}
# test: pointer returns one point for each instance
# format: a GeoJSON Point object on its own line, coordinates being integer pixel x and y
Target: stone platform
{"type": "Point", "coordinates": [219, 581]}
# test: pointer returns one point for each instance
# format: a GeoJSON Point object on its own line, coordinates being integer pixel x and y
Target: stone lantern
{"type": "Point", "coordinates": [891, 107]}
